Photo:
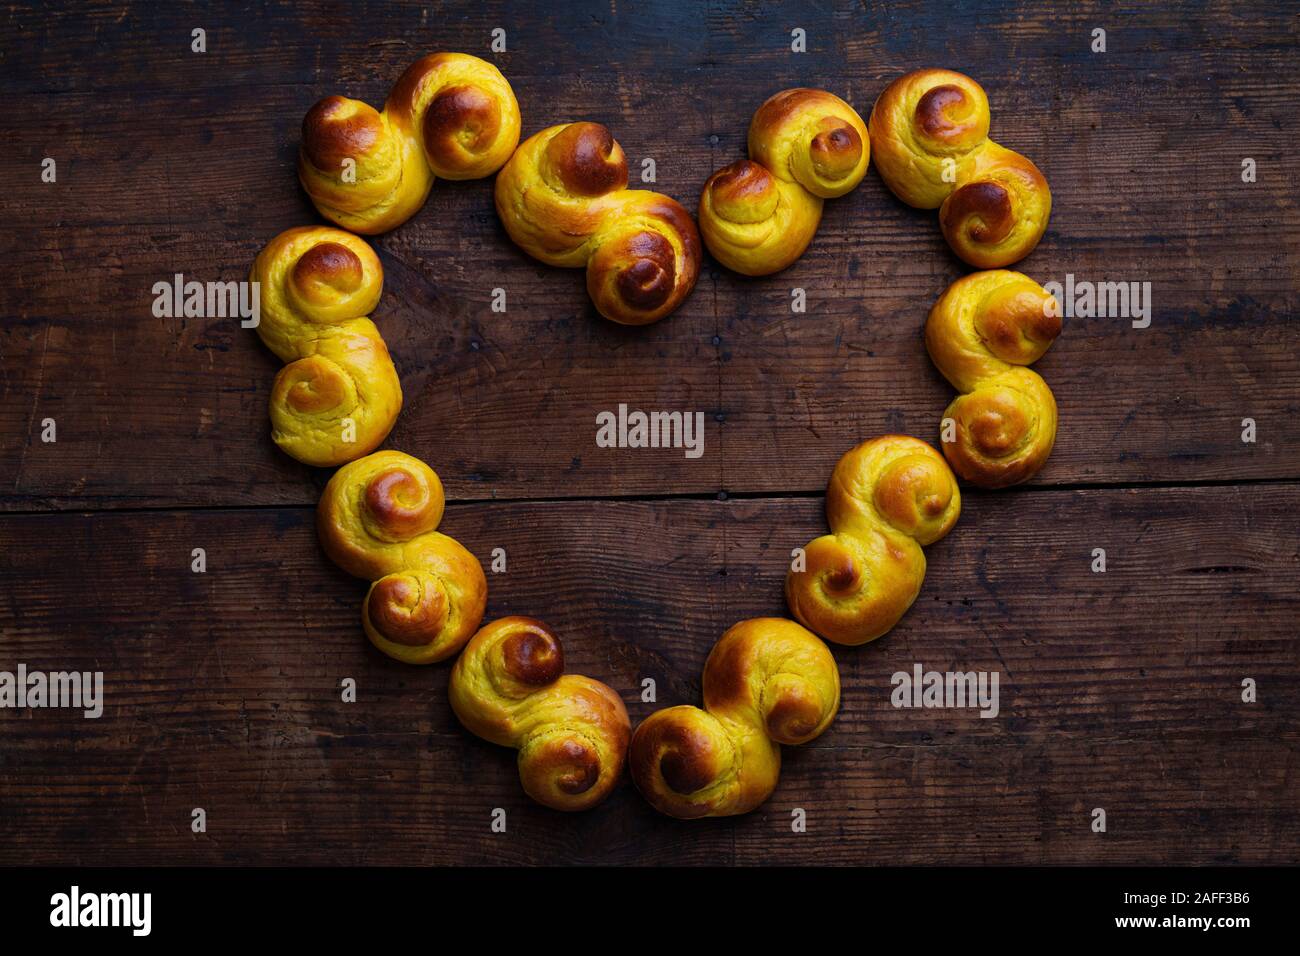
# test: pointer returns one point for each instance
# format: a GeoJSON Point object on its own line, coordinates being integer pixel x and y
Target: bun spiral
{"type": "Point", "coordinates": [930, 133]}
{"type": "Point", "coordinates": [509, 687]}
{"type": "Point", "coordinates": [317, 286]}
{"type": "Point", "coordinates": [767, 682]}
{"type": "Point", "coordinates": [377, 520]}
{"type": "Point", "coordinates": [450, 115]}
{"type": "Point", "coordinates": [980, 334]}
{"type": "Point", "coordinates": [886, 498]}
{"type": "Point", "coordinates": [758, 215]}
{"type": "Point", "coordinates": [563, 199]}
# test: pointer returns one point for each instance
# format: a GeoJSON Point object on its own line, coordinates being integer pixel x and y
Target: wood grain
{"type": "Point", "coordinates": [222, 688]}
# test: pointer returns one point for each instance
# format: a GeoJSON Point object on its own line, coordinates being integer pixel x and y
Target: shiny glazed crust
{"type": "Point", "coordinates": [450, 115]}
{"type": "Point", "coordinates": [317, 285]}
{"type": "Point", "coordinates": [929, 133]}
{"type": "Point", "coordinates": [758, 215]}
{"type": "Point", "coordinates": [377, 519]}
{"type": "Point", "coordinates": [981, 334]}
{"type": "Point", "coordinates": [886, 498]}
{"type": "Point", "coordinates": [509, 687]}
{"type": "Point", "coordinates": [767, 682]}
{"type": "Point", "coordinates": [563, 199]}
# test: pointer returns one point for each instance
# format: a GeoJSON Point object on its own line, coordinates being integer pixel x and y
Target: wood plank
{"type": "Point", "coordinates": [1119, 690]}
{"type": "Point", "coordinates": [164, 414]}
{"type": "Point", "coordinates": [156, 412]}
{"type": "Point", "coordinates": [62, 49]}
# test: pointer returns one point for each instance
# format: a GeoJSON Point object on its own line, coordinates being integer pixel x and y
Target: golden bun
{"type": "Point", "coordinates": [377, 519]}
{"type": "Point", "coordinates": [450, 115]}
{"type": "Point", "coordinates": [339, 394]}
{"type": "Point", "coordinates": [758, 215]}
{"type": "Point", "coordinates": [563, 199]}
{"type": "Point", "coordinates": [886, 498]}
{"type": "Point", "coordinates": [767, 682]}
{"type": "Point", "coordinates": [509, 687]}
{"type": "Point", "coordinates": [929, 135]}
{"type": "Point", "coordinates": [981, 334]}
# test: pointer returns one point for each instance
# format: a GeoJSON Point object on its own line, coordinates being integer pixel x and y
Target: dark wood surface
{"type": "Point", "coordinates": [1119, 690]}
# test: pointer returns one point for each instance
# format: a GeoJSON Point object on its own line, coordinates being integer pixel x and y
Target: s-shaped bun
{"type": "Point", "coordinates": [339, 396]}
{"type": "Point", "coordinates": [930, 135]}
{"type": "Point", "coordinates": [981, 334]}
{"type": "Point", "coordinates": [377, 520]}
{"type": "Point", "coordinates": [886, 498]}
{"type": "Point", "coordinates": [767, 682]}
{"type": "Point", "coordinates": [450, 115]}
{"type": "Point", "coordinates": [563, 199]}
{"type": "Point", "coordinates": [758, 215]}
{"type": "Point", "coordinates": [509, 687]}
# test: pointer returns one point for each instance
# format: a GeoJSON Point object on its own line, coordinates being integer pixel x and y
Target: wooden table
{"type": "Point", "coordinates": [1120, 690]}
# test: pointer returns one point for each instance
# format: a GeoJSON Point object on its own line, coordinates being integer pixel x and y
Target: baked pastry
{"type": "Point", "coordinates": [886, 498]}
{"type": "Point", "coordinates": [339, 396]}
{"type": "Point", "coordinates": [450, 115]}
{"type": "Point", "coordinates": [767, 682]}
{"type": "Point", "coordinates": [981, 334]}
{"type": "Point", "coordinates": [930, 136]}
{"type": "Point", "coordinates": [377, 520]}
{"type": "Point", "coordinates": [758, 215]}
{"type": "Point", "coordinates": [563, 199]}
{"type": "Point", "coordinates": [509, 687]}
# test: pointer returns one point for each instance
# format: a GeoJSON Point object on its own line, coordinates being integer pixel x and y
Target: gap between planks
{"type": "Point", "coordinates": [666, 496]}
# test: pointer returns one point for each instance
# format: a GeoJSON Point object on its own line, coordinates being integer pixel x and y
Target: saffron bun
{"type": "Point", "coordinates": [886, 498]}
{"type": "Point", "coordinates": [982, 334]}
{"type": "Point", "coordinates": [930, 140]}
{"type": "Point", "coordinates": [563, 199]}
{"type": "Point", "coordinates": [450, 115]}
{"type": "Point", "coordinates": [509, 687]}
{"type": "Point", "coordinates": [339, 394]}
{"type": "Point", "coordinates": [767, 682]}
{"type": "Point", "coordinates": [758, 215]}
{"type": "Point", "coordinates": [377, 519]}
